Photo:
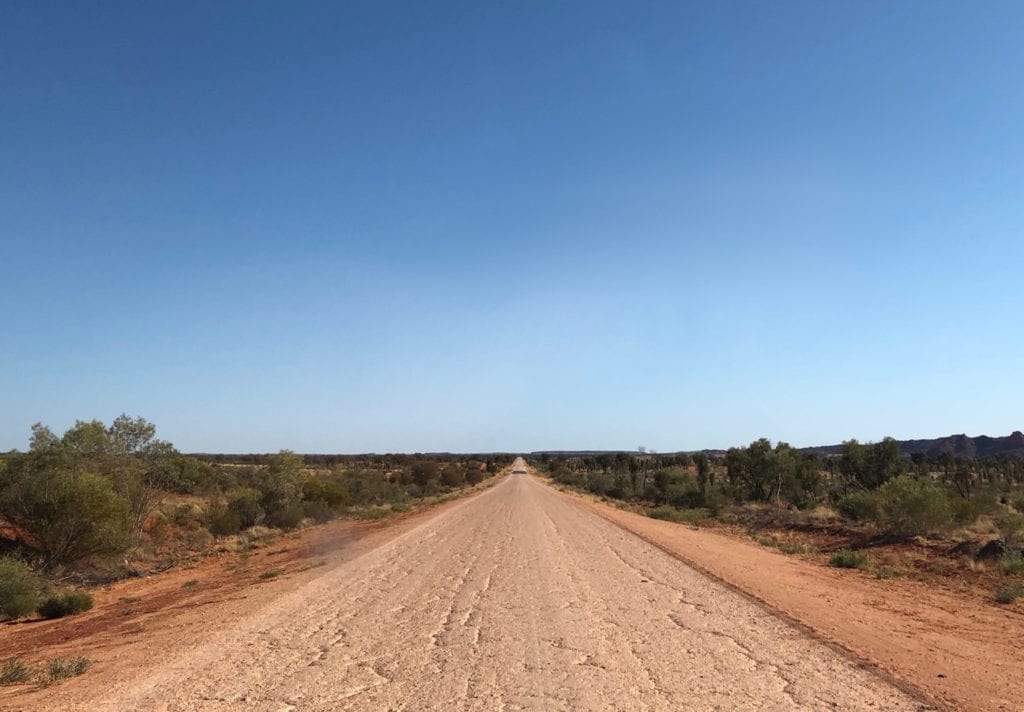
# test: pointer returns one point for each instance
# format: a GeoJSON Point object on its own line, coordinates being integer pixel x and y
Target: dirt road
{"type": "Point", "coordinates": [515, 599]}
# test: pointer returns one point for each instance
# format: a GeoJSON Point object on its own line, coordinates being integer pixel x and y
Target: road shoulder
{"type": "Point", "coordinates": [957, 652]}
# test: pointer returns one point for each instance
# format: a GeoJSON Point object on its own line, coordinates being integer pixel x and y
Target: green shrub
{"type": "Point", "coordinates": [270, 573]}
{"type": "Point", "coordinates": [63, 668]}
{"type": "Point", "coordinates": [1011, 529]}
{"type": "Point", "coordinates": [1008, 593]}
{"type": "Point", "coordinates": [909, 507]}
{"type": "Point", "coordinates": [1012, 562]}
{"type": "Point", "coordinates": [317, 510]}
{"type": "Point", "coordinates": [19, 588]}
{"type": "Point", "coordinates": [246, 504]}
{"type": "Point", "coordinates": [13, 671]}
{"type": "Point", "coordinates": [966, 511]}
{"type": "Point", "coordinates": [288, 517]}
{"type": "Point", "coordinates": [70, 517]}
{"type": "Point", "coordinates": [222, 521]}
{"type": "Point", "coordinates": [859, 506]}
{"type": "Point", "coordinates": [683, 516]}
{"type": "Point", "coordinates": [329, 491]}
{"type": "Point", "coordinates": [400, 507]}
{"type": "Point", "coordinates": [847, 559]}
{"type": "Point", "coordinates": [65, 604]}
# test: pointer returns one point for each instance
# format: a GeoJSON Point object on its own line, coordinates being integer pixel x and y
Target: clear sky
{"type": "Point", "coordinates": [345, 227]}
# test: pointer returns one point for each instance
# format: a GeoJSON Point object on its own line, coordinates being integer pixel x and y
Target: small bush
{"type": "Point", "coordinates": [788, 548]}
{"type": "Point", "coordinates": [288, 517]}
{"type": "Point", "coordinates": [1011, 529]}
{"type": "Point", "coordinates": [19, 588]}
{"type": "Point", "coordinates": [400, 507]}
{"type": "Point", "coordinates": [270, 573]}
{"type": "Point", "coordinates": [1012, 562]}
{"type": "Point", "coordinates": [222, 521]}
{"type": "Point", "coordinates": [13, 671]}
{"type": "Point", "coordinates": [63, 668]}
{"type": "Point", "coordinates": [669, 513]}
{"type": "Point", "coordinates": [847, 559]}
{"type": "Point", "coordinates": [859, 506]}
{"type": "Point", "coordinates": [884, 572]}
{"type": "Point", "coordinates": [1008, 593]}
{"type": "Point", "coordinates": [65, 604]}
{"type": "Point", "coordinates": [967, 511]}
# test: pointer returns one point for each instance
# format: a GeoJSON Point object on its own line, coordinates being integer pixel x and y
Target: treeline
{"type": "Point", "coordinates": [871, 482]}
{"type": "Point", "coordinates": [98, 492]}
{"type": "Point", "coordinates": [373, 461]}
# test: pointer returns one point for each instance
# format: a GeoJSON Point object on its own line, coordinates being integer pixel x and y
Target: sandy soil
{"type": "Point", "coordinates": [518, 598]}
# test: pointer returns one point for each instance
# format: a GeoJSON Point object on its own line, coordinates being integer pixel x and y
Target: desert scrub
{"type": "Point", "coordinates": [1012, 562]}
{"type": "Point", "coordinates": [847, 559]}
{"type": "Point", "coordinates": [64, 668]}
{"type": "Point", "coordinates": [1008, 593]}
{"type": "Point", "coordinates": [13, 672]}
{"type": "Point", "coordinates": [65, 604]}
{"type": "Point", "coordinates": [270, 574]}
{"type": "Point", "coordinates": [694, 517]}
{"type": "Point", "coordinates": [909, 507]}
{"type": "Point", "coordinates": [19, 588]}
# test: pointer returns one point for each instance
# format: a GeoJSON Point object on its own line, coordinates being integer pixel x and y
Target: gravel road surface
{"type": "Point", "coordinates": [515, 599]}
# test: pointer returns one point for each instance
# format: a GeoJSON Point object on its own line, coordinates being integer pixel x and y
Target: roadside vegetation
{"type": "Point", "coordinates": [867, 507]}
{"type": "Point", "coordinates": [100, 503]}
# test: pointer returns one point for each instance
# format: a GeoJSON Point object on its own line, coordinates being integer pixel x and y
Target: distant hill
{"type": "Point", "coordinates": [962, 445]}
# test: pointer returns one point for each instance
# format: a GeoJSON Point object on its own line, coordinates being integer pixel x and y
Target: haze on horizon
{"type": "Point", "coordinates": [461, 227]}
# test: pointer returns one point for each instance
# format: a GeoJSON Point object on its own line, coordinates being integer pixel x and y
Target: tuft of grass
{"type": "Point", "coordinates": [64, 668]}
{"type": "Point", "coordinates": [788, 548]}
{"type": "Point", "coordinates": [847, 559]}
{"type": "Point", "coordinates": [13, 672]}
{"type": "Point", "coordinates": [693, 517]}
{"type": "Point", "coordinates": [191, 585]}
{"type": "Point", "coordinates": [1008, 593]}
{"type": "Point", "coordinates": [270, 573]}
{"type": "Point", "coordinates": [1012, 562]}
{"type": "Point", "coordinates": [65, 604]}
{"type": "Point", "coordinates": [885, 572]}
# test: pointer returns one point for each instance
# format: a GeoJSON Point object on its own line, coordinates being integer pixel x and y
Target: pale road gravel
{"type": "Point", "coordinates": [516, 599]}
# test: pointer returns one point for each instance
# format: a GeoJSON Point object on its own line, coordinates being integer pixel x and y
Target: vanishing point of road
{"type": "Point", "coordinates": [515, 599]}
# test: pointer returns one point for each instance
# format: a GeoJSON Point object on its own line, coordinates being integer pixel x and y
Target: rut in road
{"type": "Point", "coordinates": [515, 599]}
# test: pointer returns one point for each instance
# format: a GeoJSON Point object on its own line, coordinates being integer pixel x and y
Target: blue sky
{"type": "Point", "coordinates": [346, 227]}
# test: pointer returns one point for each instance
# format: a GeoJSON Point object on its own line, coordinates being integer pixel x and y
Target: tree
{"type": "Point", "coordinates": [871, 465]}
{"type": "Point", "coordinates": [705, 473]}
{"type": "Point", "coordinates": [131, 436]}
